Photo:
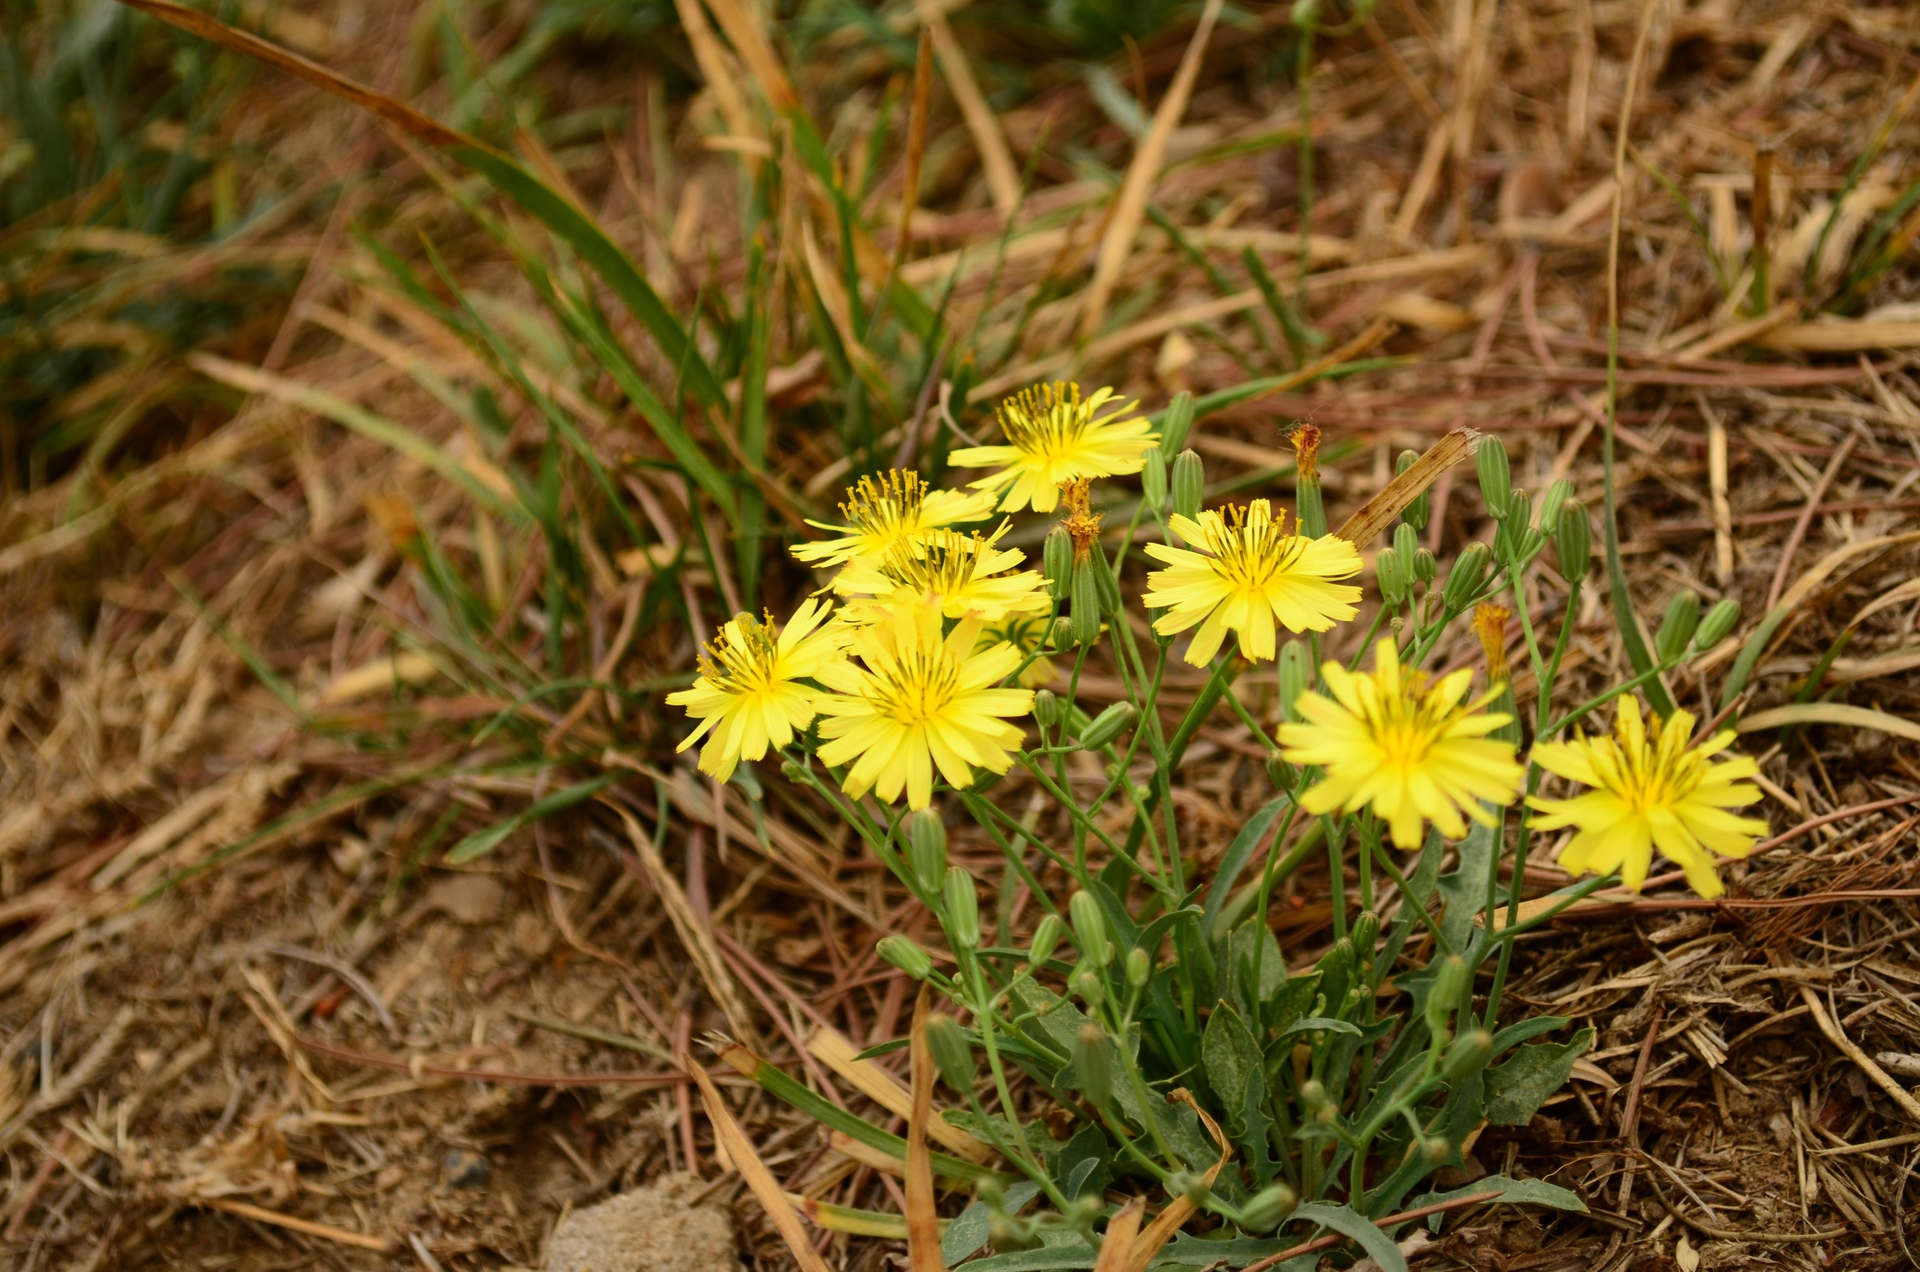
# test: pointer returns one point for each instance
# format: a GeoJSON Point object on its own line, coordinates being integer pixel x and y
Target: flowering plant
{"type": "Point", "coordinates": [1149, 1035]}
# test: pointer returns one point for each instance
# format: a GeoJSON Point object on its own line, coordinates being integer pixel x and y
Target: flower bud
{"type": "Point", "coordinates": [793, 771]}
{"type": "Point", "coordinates": [1391, 576]}
{"type": "Point", "coordinates": [1296, 674]}
{"type": "Point", "coordinates": [1468, 1055]}
{"type": "Point", "coordinates": [1490, 625]}
{"type": "Point", "coordinates": [951, 1052]}
{"type": "Point", "coordinates": [963, 910]}
{"type": "Point", "coordinates": [1310, 506]}
{"type": "Point", "coordinates": [1105, 581]}
{"type": "Point", "coordinates": [1718, 624]}
{"type": "Point", "coordinates": [1464, 579]}
{"type": "Point", "coordinates": [1093, 1064]}
{"type": "Point", "coordinates": [1305, 14]}
{"type": "Point", "coordinates": [1047, 711]}
{"type": "Point", "coordinates": [1268, 1208]}
{"type": "Point", "coordinates": [1189, 484]}
{"type": "Point", "coordinates": [1282, 774]}
{"type": "Point", "coordinates": [1556, 499]}
{"type": "Point", "coordinates": [1366, 930]}
{"type": "Point", "coordinates": [1108, 725]}
{"type": "Point", "coordinates": [1061, 637]}
{"type": "Point", "coordinates": [1450, 982]}
{"type": "Point", "coordinates": [1424, 566]}
{"type": "Point", "coordinates": [1139, 968]}
{"type": "Point", "coordinates": [1415, 514]}
{"type": "Point", "coordinates": [1153, 479]}
{"type": "Point", "coordinates": [1090, 929]}
{"type": "Point", "coordinates": [1677, 628]}
{"type": "Point", "coordinates": [1085, 605]}
{"type": "Point", "coordinates": [1572, 541]}
{"type": "Point", "coordinates": [1192, 1186]}
{"type": "Point", "coordinates": [927, 848]}
{"type": "Point", "coordinates": [1519, 511]}
{"type": "Point", "coordinates": [1089, 986]}
{"type": "Point", "coordinates": [1496, 475]}
{"type": "Point", "coordinates": [1046, 939]}
{"type": "Point", "coordinates": [905, 955]}
{"type": "Point", "coordinates": [1177, 423]}
{"type": "Point", "coordinates": [1057, 560]}
{"type": "Point", "coordinates": [1313, 1097]}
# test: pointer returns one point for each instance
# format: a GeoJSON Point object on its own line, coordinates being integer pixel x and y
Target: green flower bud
{"type": "Point", "coordinates": [1415, 515]}
{"type": "Point", "coordinates": [1282, 774]}
{"type": "Point", "coordinates": [1089, 986]}
{"type": "Point", "coordinates": [1391, 576]}
{"type": "Point", "coordinates": [905, 955]}
{"type": "Point", "coordinates": [1519, 509]}
{"type": "Point", "coordinates": [1464, 579]}
{"type": "Point", "coordinates": [1718, 624]}
{"type": "Point", "coordinates": [1313, 1098]}
{"type": "Point", "coordinates": [1405, 542]}
{"type": "Point", "coordinates": [1468, 1054]}
{"type": "Point", "coordinates": [1366, 930]}
{"type": "Point", "coordinates": [1177, 423]}
{"type": "Point", "coordinates": [1556, 499]}
{"type": "Point", "coordinates": [1090, 929]}
{"type": "Point", "coordinates": [1046, 939]}
{"type": "Point", "coordinates": [1296, 675]}
{"type": "Point", "coordinates": [1105, 580]}
{"type": "Point", "coordinates": [1268, 1208]}
{"type": "Point", "coordinates": [1057, 560]}
{"type": "Point", "coordinates": [1192, 1186]}
{"type": "Point", "coordinates": [793, 771]}
{"type": "Point", "coordinates": [1432, 1148]}
{"type": "Point", "coordinates": [1572, 541]}
{"type": "Point", "coordinates": [1153, 479]}
{"type": "Point", "coordinates": [1047, 711]}
{"type": "Point", "coordinates": [1305, 14]}
{"type": "Point", "coordinates": [1094, 1065]}
{"type": "Point", "coordinates": [1061, 637]}
{"type": "Point", "coordinates": [1677, 628]}
{"type": "Point", "coordinates": [1085, 606]}
{"type": "Point", "coordinates": [1081, 1211]}
{"type": "Point", "coordinates": [1450, 982]}
{"type": "Point", "coordinates": [963, 910]}
{"type": "Point", "coordinates": [1010, 1232]}
{"type": "Point", "coordinates": [1139, 968]}
{"type": "Point", "coordinates": [951, 1052]}
{"type": "Point", "coordinates": [1424, 566]}
{"type": "Point", "coordinates": [1496, 475]}
{"type": "Point", "coordinates": [1189, 485]}
{"type": "Point", "coordinates": [927, 848]}
{"type": "Point", "coordinates": [1108, 725]}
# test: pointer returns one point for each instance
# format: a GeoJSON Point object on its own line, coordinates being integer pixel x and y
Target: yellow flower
{"type": "Point", "coordinates": [1026, 633]}
{"type": "Point", "coordinates": [897, 508]}
{"type": "Point", "coordinates": [915, 701]}
{"type": "Point", "coordinates": [1251, 575]}
{"type": "Point", "coordinates": [1054, 435]}
{"type": "Point", "coordinates": [966, 576]}
{"type": "Point", "coordinates": [749, 694]}
{"type": "Point", "coordinates": [1403, 746]}
{"type": "Point", "coordinates": [1651, 790]}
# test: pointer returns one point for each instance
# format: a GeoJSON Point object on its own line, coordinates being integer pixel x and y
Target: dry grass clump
{"type": "Point", "coordinates": [263, 670]}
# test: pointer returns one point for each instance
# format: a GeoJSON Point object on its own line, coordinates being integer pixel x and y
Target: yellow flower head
{"type": "Point", "coordinates": [1053, 435]}
{"type": "Point", "coordinates": [1404, 746]}
{"type": "Point", "coordinates": [1251, 574]}
{"type": "Point", "coordinates": [965, 575]}
{"type": "Point", "coordinates": [896, 508]}
{"type": "Point", "coordinates": [1651, 790]}
{"type": "Point", "coordinates": [917, 700]}
{"type": "Point", "coordinates": [748, 694]}
{"type": "Point", "coordinates": [1026, 633]}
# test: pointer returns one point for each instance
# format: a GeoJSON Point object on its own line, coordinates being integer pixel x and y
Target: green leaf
{"type": "Point", "coordinates": [482, 842]}
{"type": "Point", "coordinates": [1513, 1192]}
{"type": "Point", "coordinates": [1044, 1260]}
{"type": "Point", "coordinates": [1525, 1031]}
{"type": "Point", "coordinates": [1348, 1223]}
{"type": "Point", "coordinates": [1239, 852]}
{"type": "Point", "coordinates": [1189, 1251]}
{"type": "Point", "coordinates": [968, 1231]}
{"type": "Point", "coordinates": [1464, 891]}
{"type": "Point", "coordinates": [1517, 1089]}
{"type": "Point", "coordinates": [1316, 1024]}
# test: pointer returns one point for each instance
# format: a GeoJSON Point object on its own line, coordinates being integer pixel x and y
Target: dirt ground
{"type": "Point", "coordinates": [250, 1017]}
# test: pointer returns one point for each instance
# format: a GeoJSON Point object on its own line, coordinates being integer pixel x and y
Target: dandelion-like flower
{"type": "Point", "coordinates": [883, 513]}
{"type": "Point", "coordinates": [1651, 790]}
{"type": "Point", "coordinates": [1250, 575]}
{"type": "Point", "coordinates": [964, 575]}
{"type": "Point", "coordinates": [1054, 435]}
{"type": "Point", "coordinates": [749, 694]}
{"type": "Point", "coordinates": [917, 700]}
{"type": "Point", "coordinates": [1403, 745]}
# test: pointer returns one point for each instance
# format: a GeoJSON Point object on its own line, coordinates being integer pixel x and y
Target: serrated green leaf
{"type": "Point", "coordinates": [1517, 1089]}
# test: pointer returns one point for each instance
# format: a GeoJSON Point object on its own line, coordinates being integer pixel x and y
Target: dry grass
{"type": "Point", "coordinates": [269, 1064]}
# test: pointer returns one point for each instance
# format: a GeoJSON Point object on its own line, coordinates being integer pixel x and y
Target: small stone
{"type": "Point", "coordinates": [468, 898]}
{"type": "Point", "coordinates": [651, 1229]}
{"type": "Point", "coordinates": [463, 1169]}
